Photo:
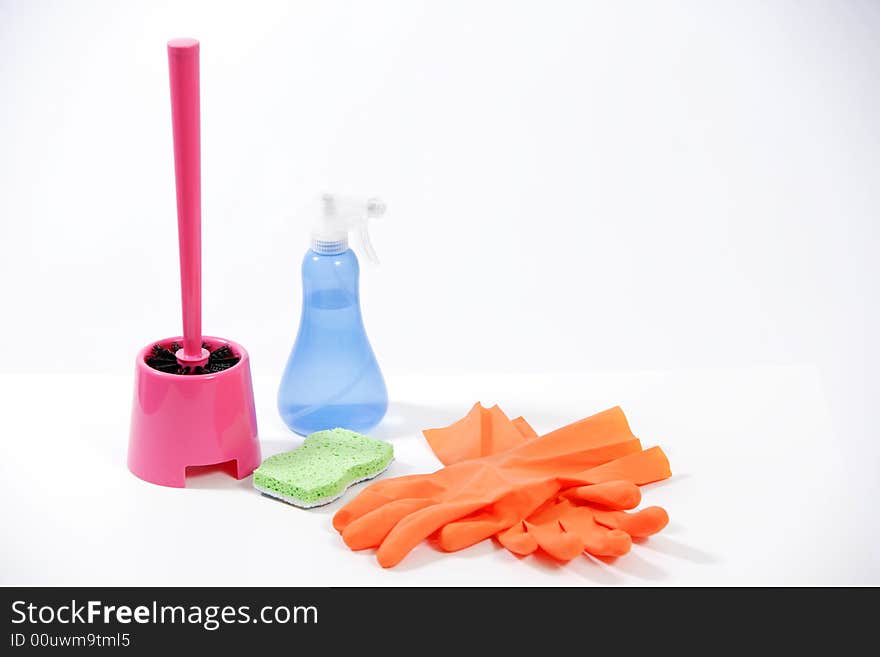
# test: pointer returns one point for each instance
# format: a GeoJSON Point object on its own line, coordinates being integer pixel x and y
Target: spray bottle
{"type": "Point", "coordinates": [332, 378]}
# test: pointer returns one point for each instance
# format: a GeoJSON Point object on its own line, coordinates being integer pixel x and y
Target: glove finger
{"type": "Point", "coordinates": [497, 517]}
{"type": "Point", "coordinates": [611, 494]}
{"type": "Point", "coordinates": [416, 527]}
{"type": "Point", "coordinates": [367, 501]}
{"type": "Point", "coordinates": [382, 492]}
{"type": "Point", "coordinates": [371, 528]}
{"type": "Point", "coordinates": [517, 540]}
{"type": "Point", "coordinates": [639, 524]}
{"type": "Point", "coordinates": [556, 542]}
{"type": "Point", "coordinates": [477, 527]}
{"type": "Point", "coordinates": [598, 540]}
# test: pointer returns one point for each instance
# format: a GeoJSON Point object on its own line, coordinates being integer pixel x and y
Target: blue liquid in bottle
{"type": "Point", "coordinates": [332, 378]}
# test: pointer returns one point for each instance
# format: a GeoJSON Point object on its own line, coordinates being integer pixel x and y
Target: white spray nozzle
{"type": "Point", "coordinates": [339, 215]}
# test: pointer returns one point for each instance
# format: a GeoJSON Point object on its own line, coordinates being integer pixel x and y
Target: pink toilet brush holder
{"type": "Point", "coordinates": [183, 421]}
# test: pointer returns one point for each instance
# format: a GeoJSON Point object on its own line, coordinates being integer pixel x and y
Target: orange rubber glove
{"type": "Point", "coordinates": [394, 515]}
{"type": "Point", "coordinates": [588, 518]}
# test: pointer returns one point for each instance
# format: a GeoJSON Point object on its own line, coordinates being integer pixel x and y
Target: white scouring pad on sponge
{"type": "Point", "coordinates": [323, 467]}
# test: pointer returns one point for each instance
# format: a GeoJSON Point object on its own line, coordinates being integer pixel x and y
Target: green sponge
{"type": "Point", "coordinates": [323, 467]}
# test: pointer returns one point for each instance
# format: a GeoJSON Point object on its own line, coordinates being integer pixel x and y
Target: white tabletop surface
{"type": "Point", "coordinates": [760, 492]}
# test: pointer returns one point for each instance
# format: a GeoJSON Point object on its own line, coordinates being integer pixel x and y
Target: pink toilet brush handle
{"type": "Point", "coordinates": [183, 69]}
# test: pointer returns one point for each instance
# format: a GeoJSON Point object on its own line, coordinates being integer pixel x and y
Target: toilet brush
{"type": "Point", "coordinates": [193, 402]}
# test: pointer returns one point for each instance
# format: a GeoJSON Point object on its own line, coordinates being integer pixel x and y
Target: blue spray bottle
{"type": "Point", "coordinates": [332, 378]}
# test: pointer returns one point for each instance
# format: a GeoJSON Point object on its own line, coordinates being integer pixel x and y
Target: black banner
{"type": "Point", "coordinates": [391, 621]}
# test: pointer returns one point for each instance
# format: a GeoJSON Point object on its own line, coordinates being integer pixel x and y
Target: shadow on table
{"type": "Point", "coordinates": [603, 571]}
{"type": "Point", "coordinates": [665, 545]}
{"type": "Point", "coordinates": [407, 420]}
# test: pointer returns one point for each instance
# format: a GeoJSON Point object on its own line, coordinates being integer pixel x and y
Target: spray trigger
{"type": "Point", "coordinates": [339, 215]}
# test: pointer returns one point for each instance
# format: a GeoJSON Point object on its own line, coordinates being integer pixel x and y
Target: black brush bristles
{"type": "Point", "coordinates": [221, 359]}
{"type": "Point", "coordinates": [163, 359]}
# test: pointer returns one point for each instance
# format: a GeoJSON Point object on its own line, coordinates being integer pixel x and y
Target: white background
{"type": "Point", "coordinates": [608, 192]}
